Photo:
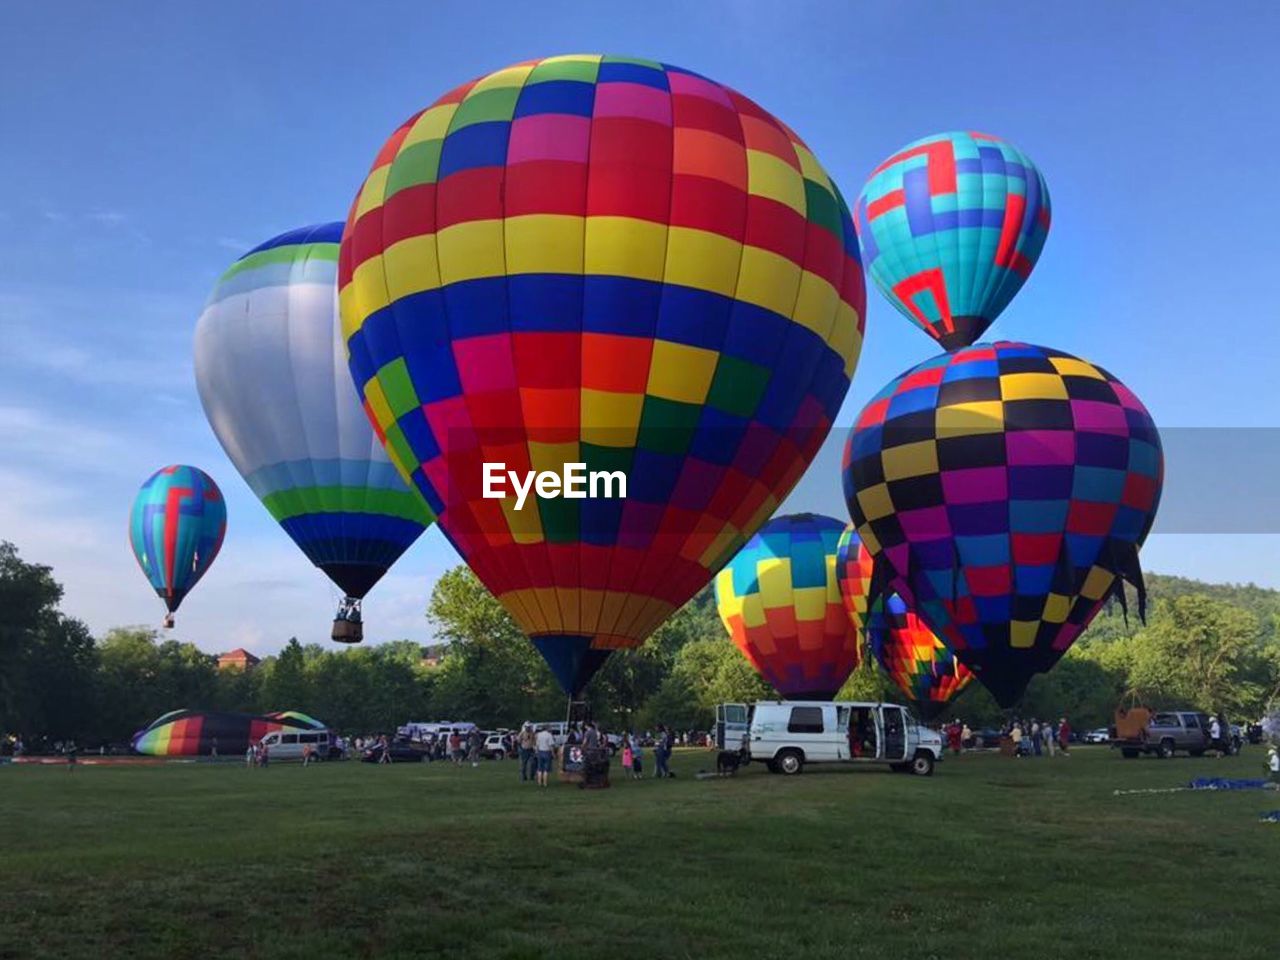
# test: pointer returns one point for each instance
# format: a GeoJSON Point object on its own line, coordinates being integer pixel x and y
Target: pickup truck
{"type": "Point", "coordinates": [1171, 731]}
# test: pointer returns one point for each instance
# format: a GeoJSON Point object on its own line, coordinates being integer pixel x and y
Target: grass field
{"type": "Point", "coordinates": [991, 857]}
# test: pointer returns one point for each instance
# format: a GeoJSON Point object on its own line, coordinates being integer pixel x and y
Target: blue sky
{"type": "Point", "coordinates": [142, 153]}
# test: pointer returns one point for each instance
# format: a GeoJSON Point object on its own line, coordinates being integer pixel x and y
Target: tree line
{"type": "Point", "coordinates": [1206, 646]}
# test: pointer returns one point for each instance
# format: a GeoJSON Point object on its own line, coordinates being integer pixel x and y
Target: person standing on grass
{"type": "Point", "coordinates": [528, 761]}
{"type": "Point", "coordinates": [1273, 765]}
{"type": "Point", "coordinates": [1064, 737]}
{"type": "Point", "coordinates": [545, 744]}
{"type": "Point", "coordinates": [1050, 738]}
{"type": "Point", "coordinates": [1036, 746]}
{"type": "Point", "coordinates": [1016, 736]}
{"type": "Point", "coordinates": [384, 749]}
{"type": "Point", "coordinates": [213, 749]}
{"type": "Point", "coordinates": [626, 755]}
{"type": "Point", "coordinates": [474, 742]}
{"type": "Point", "coordinates": [71, 756]}
{"type": "Point", "coordinates": [264, 754]}
{"type": "Point", "coordinates": [954, 737]}
{"type": "Point", "coordinates": [637, 760]}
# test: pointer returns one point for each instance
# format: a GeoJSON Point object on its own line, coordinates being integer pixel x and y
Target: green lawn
{"type": "Point", "coordinates": [991, 858]}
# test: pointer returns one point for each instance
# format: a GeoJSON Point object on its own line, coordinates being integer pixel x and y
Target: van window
{"type": "Point", "coordinates": [1192, 721]}
{"type": "Point", "coordinates": [805, 720]}
{"type": "Point", "coordinates": [308, 738]}
{"type": "Point", "coordinates": [324, 738]}
{"type": "Point", "coordinates": [1164, 720]}
{"type": "Point", "coordinates": [735, 713]}
{"type": "Point", "coordinates": [289, 738]}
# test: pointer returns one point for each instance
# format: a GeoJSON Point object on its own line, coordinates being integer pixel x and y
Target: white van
{"type": "Point", "coordinates": [290, 744]}
{"type": "Point", "coordinates": [787, 734]}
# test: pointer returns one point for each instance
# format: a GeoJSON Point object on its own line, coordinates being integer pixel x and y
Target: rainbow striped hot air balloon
{"type": "Point", "coordinates": [194, 733]}
{"type": "Point", "coordinates": [1003, 491]}
{"type": "Point", "coordinates": [272, 375]}
{"type": "Point", "coordinates": [951, 227]}
{"type": "Point", "coordinates": [176, 528]}
{"type": "Point", "coordinates": [780, 601]}
{"type": "Point", "coordinates": [613, 262]}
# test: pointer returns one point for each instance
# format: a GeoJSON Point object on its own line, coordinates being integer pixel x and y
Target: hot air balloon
{"type": "Point", "coordinates": [194, 733]}
{"type": "Point", "coordinates": [1003, 491]}
{"type": "Point", "coordinates": [272, 375]}
{"type": "Point", "coordinates": [176, 529]}
{"type": "Point", "coordinates": [853, 576]}
{"type": "Point", "coordinates": [611, 262]}
{"type": "Point", "coordinates": [921, 665]}
{"type": "Point", "coordinates": [780, 602]}
{"type": "Point", "coordinates": [951, 226]}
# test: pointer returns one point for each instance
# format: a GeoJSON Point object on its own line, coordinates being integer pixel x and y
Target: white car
{"type": "Point", "coordinates": [1101, 735]}
{"type": "Point", "coordinates": [291, 744]}
{"type": "Point", "coordinates": [787, 734]}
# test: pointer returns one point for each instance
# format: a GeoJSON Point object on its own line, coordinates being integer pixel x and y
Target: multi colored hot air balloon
{"type": "Point", "coordinates": [921, 665]}
{"type": "Point", "coordinates": [853, 576]}
{"type": "Point", "coordinates": [780, 602]}
{"type": "Point", "coordinates": [1003, 491]}
{"type": "Point", "coordinates": [272, 375]}
{"type": "Point", "coordinates": [951, 226]}
{"type": "Point", "coordinates": [612, 262]}
{"type": "Point", "coordinates": [176, 529]}
{"type": "Point", "coordinates": [194, 733]}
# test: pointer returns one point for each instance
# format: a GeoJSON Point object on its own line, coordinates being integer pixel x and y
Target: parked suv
{"type": "Point", "coordinates": [1171, 731]}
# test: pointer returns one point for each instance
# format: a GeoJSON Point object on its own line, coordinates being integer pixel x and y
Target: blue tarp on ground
{"type": "Point", "coordinates": [1272, 817]}
{"type": "Point", "coordinates": [1223, 783]}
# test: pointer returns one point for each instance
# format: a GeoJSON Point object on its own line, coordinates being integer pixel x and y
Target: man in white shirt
{"type": "Point", "coordinates": [545, 743]}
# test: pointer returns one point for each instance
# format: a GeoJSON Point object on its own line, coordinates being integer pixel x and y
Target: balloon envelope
{"type": "Point", "coordinates": [176, 528]}
{"type": "Point", "coordinates": [271, 371]}
{"type": "Point", "coordinates": [921, 665]}
{"type": "Point", "coordinates": [780, 601]}
{"type": "Point", "coordinates": [951, 226]}
{"type": "Point", "coordinates": [605, 261]}
{"type": "Point", "coordinates": [192, 733]}
{"type": "Point", "coordinates": [1002, 490]}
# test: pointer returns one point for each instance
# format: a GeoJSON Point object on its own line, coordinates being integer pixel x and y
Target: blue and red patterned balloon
{"type": "Point", "coordinates": [951, 226]}
{"type": "Point", "coordinates": [1003, 492]}
{"type": "Point", "coordinates": [605, 261]}
{"type": "Point", "coordinates": [176, 528]}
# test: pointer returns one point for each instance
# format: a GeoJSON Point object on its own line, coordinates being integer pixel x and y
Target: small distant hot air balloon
{"type": "Point", "coordinates": [951, 226]}
{"type": "Point", "coordinates": [1003, 491]}
{"type": "Point", "coordinates": [273, 380]}
{"type": "Point", "coordinates": [780, 601]}
{"type": "Point", "coordinates": [176, 529]}
{"type": "Point", "coordinates": [921, 665]}
{"type": "Point", "coordinates": [611, 262]}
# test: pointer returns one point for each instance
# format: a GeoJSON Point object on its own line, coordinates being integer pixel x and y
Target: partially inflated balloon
{"type": "Point", "coordinates": [921, 665]}
{"type": "Point", "coordinates": [1003, 491]}
{"type": "Point", "coordinates": [780, 601]}
{"type": "Point", "coordinates": [272, 375]}
{"type": "Point", "coordinates": [951, 227]}
{"type": "Point", "coordinates": [195, 733]}
{"type": "Point", "coordinates": [176, 529]}
{"type": "Point", "coordinates": [611, 262]}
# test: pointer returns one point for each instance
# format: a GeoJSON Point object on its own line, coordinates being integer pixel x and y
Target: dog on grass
{"type": "Point", "coordinates": [728, 761]}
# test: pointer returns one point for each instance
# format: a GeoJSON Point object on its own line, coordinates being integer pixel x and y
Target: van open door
{"type": "Point", "coordinates": [895, 733]}
{"type": "Point", "coordinates": [733, 721]}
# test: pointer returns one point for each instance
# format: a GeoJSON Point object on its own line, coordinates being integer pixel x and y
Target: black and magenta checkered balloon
{"type": "Point", "coordinates": [1003, 491]}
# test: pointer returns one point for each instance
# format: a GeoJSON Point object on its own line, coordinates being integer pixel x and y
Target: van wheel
{"type": "Point", "coordinates": [922, 765]}
{"type": "Point", "coordinates": [1128, 753]}
{"type": "Point", "coordinates": [1166, 749]}
{"type": "Point", "coordinates": [789, 762]}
